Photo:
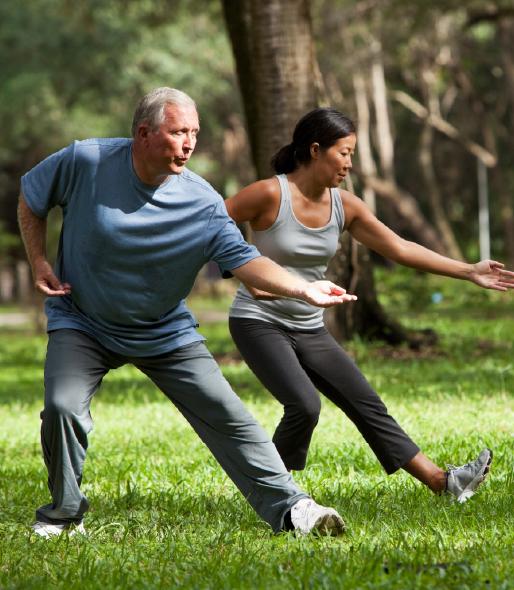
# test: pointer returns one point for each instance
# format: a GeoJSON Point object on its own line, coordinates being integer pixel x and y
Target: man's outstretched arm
{"type": "Point", "coordinates": [33, 232]}
{"type": "Point", "coordinates": [266, 275]}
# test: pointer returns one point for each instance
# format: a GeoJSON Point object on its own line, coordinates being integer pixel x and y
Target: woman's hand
{"type": "Point", "coordinates": [492, 275]}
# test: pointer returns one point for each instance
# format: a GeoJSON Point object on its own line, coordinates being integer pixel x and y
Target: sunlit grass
{"type": "Point", "coordinates": [164, 515]}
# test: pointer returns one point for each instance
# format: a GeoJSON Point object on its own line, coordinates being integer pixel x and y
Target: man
{"type": "Point", "coordinates": [137, 228]}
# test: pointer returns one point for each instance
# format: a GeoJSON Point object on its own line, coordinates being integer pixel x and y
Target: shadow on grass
{"type": "Point", "coordinates": [23, 385]}
{"type": "Point", "coordinates": [474, 363]}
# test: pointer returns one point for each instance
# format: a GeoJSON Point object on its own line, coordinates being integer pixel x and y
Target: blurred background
{"type": "Point", "coordinates": [430, 84]}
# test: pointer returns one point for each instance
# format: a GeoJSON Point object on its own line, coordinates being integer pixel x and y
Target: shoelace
{"type": "Point", "coordinates": [453, 467]}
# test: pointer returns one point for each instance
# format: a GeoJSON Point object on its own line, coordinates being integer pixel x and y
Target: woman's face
{"type": "Point", "coordinates": [334, 163]}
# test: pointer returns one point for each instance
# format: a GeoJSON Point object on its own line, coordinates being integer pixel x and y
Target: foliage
{"type": "Point", "coordinates": [164, 515]}
{"type": "Point", "coordinates": [7, 242]}
{"type": "Point", "coordinates": [76, 70]}
{"type": "Point", "coordinates": [465, 59]}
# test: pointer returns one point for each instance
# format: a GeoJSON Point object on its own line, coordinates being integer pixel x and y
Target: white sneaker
{"type": "Point", "coordinates": [463, 481]}
{"type": "Point", "coordinates": [309, 517]}
{"type": "Point", "coordinates": [47, 530]}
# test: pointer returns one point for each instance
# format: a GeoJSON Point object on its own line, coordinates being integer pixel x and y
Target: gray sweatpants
{"type": "Point", "coordinates": [192, 380]}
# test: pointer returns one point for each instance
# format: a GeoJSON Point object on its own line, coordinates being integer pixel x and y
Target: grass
{"type": "Point", "coordinates": [164, 515]}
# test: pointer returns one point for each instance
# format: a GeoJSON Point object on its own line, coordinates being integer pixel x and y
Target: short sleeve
{"type": "Point", "coordinates": [225, 243]}
{"type": "Point", "coordinates": [48, 184]}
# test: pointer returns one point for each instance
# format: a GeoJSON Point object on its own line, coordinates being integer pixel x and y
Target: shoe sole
{"type": "Point", "coordinates": [330, 525]}
{"type": "Point", "coordinates": [472, 486]}
{"type": "Point", "coordinates": [70, 532]}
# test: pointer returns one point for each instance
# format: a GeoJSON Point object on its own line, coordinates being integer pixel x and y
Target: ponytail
{"type": "Point", "coordinates": [284, 160]}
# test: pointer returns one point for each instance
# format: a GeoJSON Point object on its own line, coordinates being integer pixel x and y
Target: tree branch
{"type": "Point", "coordinates": [491, 14]}
{"type": "Point", "coordinates": [489, 159]}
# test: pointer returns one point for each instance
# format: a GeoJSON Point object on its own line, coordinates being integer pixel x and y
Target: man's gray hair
{"type": "Point", "coordinates": [151, 107]}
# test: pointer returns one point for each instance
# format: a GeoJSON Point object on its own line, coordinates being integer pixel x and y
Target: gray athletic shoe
{"type": "Point", "coordinates": [463, 481]}
{"type": "Point", "coordinates": [47, 530]}
{"type": "Point", "coordinates": [309, 517]}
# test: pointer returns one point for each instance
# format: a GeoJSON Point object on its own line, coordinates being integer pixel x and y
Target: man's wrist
{"type": "Point", "coordinates": [38, 260]}
{"type": "Point", "coordinates": [298, 290]}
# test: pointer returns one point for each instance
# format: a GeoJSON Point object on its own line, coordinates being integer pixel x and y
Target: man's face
{"type": "Point", "coordinates": [169, 147]}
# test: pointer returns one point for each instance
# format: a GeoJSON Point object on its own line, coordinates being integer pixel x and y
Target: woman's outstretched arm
{"type": "Point", "coordinates": [371, 232]}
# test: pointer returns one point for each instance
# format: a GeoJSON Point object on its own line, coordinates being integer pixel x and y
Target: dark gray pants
{"type": "Point", "coordinates": [293, 366]}
{"type": "Point", "coordinates": [75, 366]}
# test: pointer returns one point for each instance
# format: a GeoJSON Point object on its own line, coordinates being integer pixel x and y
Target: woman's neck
{"type": "Point", "coordinates": [306, 182]}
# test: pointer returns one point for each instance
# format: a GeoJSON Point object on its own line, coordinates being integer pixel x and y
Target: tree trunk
{"type": "Point", "coordinates": [445, 128]}
{"type": "Point", "coordinates": [426, 140]}
{"type": "Point", "coordinates": [363, 138]}
{"type": "Point", "coordinates": [408, 213]}
{"type": "Point", "coordinates": [407, 210]}
{"type": "Point", "coordinates": [506, 37]}
{"type": "Point", "coordinates": [366, 317]}
{"type": "Point", "coordinates": [434, 193]}
{"type": "Point", "coordinates": [500, 175]}
{"type": "Point", "coordinates": [384, 134]}
{"type": "Point", "coordinates": [404, 204]}
{"type": "Point", "coordinates": [276, 64]}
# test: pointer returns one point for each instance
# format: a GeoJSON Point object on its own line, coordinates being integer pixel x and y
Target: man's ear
{"type": "Point", "coordinates": [314, 149]}
{"type": "Point", "coordinates": [142, 131]}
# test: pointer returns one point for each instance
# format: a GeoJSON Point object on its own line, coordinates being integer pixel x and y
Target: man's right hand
{"type": "Point", "coordinates": [46, 282]}
{"type": "Point", "coordinates": [325, 294]}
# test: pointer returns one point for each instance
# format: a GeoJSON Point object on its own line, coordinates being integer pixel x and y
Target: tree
{"type": "Point", "coordinates": [75, 70]}
{"type": "Point", "coordinates": [276, 63]}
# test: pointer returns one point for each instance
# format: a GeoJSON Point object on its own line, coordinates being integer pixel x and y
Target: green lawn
{"type": "Point", "coordinates": [164, 515]}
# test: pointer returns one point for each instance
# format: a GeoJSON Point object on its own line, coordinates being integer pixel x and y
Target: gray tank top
{"type": "Point", "coordinates": [303, 251]}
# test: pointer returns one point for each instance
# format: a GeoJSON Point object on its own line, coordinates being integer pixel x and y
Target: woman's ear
{"type": "Point", "coordinates": [314, 150]}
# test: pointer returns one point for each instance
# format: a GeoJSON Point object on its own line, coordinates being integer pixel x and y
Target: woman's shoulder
{"type": "Point", "coordinates": [348, 199]}
{"type": "Point", "coordinates": [268, 188]}
{"type": "Point", "coordinates": [254, 200]}
{"type": "Point", "coordinates": [352, 205]}
{"type": "Point", "coordinates": [266, 191]}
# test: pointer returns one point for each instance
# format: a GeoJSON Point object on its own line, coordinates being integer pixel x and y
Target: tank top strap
{"type": "Point", "coordinates": [285, 197]}
{"type": "Point", "coordinates": [337, 207]}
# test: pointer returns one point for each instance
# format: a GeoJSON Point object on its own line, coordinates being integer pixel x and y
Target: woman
{"type": "Point", "coordinates": [296, 218]}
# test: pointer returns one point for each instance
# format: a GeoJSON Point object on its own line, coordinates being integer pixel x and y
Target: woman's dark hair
{"type": "Point", "coordinates": [323, 126]}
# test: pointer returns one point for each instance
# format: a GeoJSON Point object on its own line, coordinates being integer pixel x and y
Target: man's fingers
{"type": "Point", "coordinates": [50, 292]}
{"type": "Point", "coordinates": [336, 300]}
{"type": "Point", "coordinates": [336, 289]}
{"type": "Point", "coordinates": [44, 287]}
{"type": "Point", "coordinates": [326, 294]}
{"type": "Point", "coordinates": [53, 282]}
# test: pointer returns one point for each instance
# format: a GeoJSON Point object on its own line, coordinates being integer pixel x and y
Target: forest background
{"type": "Point", "coordinates": [430, 84]}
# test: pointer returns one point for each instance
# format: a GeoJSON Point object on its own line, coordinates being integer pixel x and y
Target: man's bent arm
{"type": "Point", "coordinates": [266, 275]}
{"type": "Point", "coordinates": [33, 232]}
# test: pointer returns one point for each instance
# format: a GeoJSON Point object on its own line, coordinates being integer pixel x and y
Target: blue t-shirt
{"type": "Point", "coordinates": [130, 251]}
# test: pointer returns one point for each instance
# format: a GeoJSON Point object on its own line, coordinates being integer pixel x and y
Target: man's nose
{"type": "Point", "coordinates": [189, 141]}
